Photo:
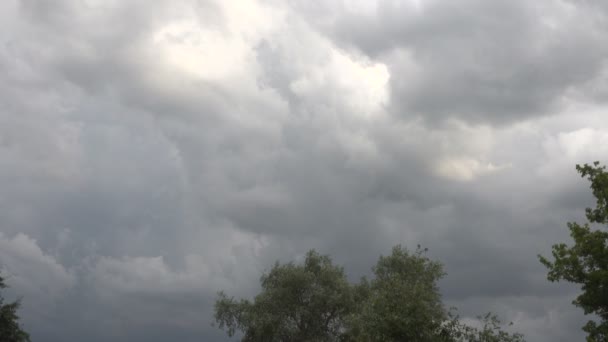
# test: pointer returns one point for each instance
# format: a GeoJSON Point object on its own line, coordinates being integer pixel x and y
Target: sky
{"type": "Point", "coordinates": [153, 153]}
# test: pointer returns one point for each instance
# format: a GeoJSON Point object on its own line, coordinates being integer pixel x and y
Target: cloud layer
{"type": "Point", "coordinates": [153, 155]}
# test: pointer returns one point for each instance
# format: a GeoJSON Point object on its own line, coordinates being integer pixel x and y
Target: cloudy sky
{"type": "Point", "coordinates": [155, 152]}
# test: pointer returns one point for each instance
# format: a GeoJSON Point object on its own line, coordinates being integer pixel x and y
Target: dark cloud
{"type": "Point", "coordinates": [152, 155]}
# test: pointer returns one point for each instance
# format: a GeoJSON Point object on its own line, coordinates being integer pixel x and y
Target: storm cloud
{"type": "Point", "coordinates": [154, 153]}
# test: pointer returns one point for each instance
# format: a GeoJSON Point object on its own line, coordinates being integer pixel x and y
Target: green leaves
{"type": "Point", "coordinates": [586, 261]}
{"type": "Point", "coordinates": [404, 303]}
{"type": "Point", "coordinates": [308, 302]}
{"type": "Point", "coordinates": [10, 330]}
{"type": "Point", "coordinates": [315, 302]}
{"type": "Point", "coordinates": [598, 177]}
{"type": "Point", "coordinates": [490, 331]}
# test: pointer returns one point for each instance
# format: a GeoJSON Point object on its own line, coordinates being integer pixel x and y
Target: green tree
{"type": "Point", "coordinates": [308, 302]}
{"type": "Point", "coordinates": [10, 330]}
{"type": "Point", "coordinates": [586, 262]}
{"type": "Point", "coordinates": [403, 301]}
{"type": "Point", "coordinates": [315, 302]}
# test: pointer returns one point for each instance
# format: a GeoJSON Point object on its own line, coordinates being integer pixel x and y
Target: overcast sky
{"type": "Point", "coordinates": [155, 152]}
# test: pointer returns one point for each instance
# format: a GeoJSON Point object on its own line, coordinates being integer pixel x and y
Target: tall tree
{"type": "Point", "coordinates": [308, 302]}
{"type": "Point", "coordinates": [10, 330]}
{"type": "Point", "coordinates": [403, 301]}
{"type": "Point", "coordinates": [586, 261]}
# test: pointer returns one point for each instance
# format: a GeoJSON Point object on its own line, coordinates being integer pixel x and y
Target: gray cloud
{"type": "Point", "coordinates": [483, 62]}
{"type": "Point", "coordinates": [152, 155]}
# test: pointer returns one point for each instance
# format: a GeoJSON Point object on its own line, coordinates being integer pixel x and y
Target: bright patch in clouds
{"type": "Point", "coordinates": [582, 141]}
{"type": "Point", "coordinates": [361, 87]}
{"type": "Point", "coordinates": [464, 169]}
{"type": "Point", "coordinates": [220, 51]}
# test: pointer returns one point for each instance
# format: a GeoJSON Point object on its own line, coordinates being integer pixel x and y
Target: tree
{"type": "Point", "coordinates": [586, 262]}
{"type": "Point", "coordinates": [10, 330]}
{"type": "Point", "coordinates": [403, 301]}
{"type": "Point", "coordinates": [308, 302]}
{"type": "Point", "coordinates": [315, 302]}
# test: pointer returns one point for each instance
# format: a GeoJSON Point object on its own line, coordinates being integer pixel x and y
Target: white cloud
{"type": "Point", "coordinates": [32, 272]}
{"type": "Point", "coordinates": [223, 264]}
{"type": "Point", "coordinates": [361, 86]}
{"type": "Point", "coordinates": [583, 143]}
{"type": "Point", "coordinates": [465, 169]}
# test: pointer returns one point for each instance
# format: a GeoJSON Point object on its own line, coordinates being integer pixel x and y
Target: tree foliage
{"type": "Point", "coordinates": [490, 331]}
{"type": "Point", "coordinates": [10, 330]}
{"type": "Point", "coordinates": [308, 302]}
{"type": "Point", "coordinates": [315, 302]}
{"type": "Point", "coordinates": [586, 261]}
{"type": "Point", "coordinates": [403, 302]}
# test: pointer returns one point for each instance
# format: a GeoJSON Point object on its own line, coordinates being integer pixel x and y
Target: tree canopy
{"type": "Point", "coordinates": [402, 301]}
{"type": "Point", "coordinates": [314, 301]}
{"type": "Point", "coordinates": [308, 302]}
{"type": "Point", "coordinates": [586, 261]}
{"type": "Point", "coordinates": [10, 330]}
